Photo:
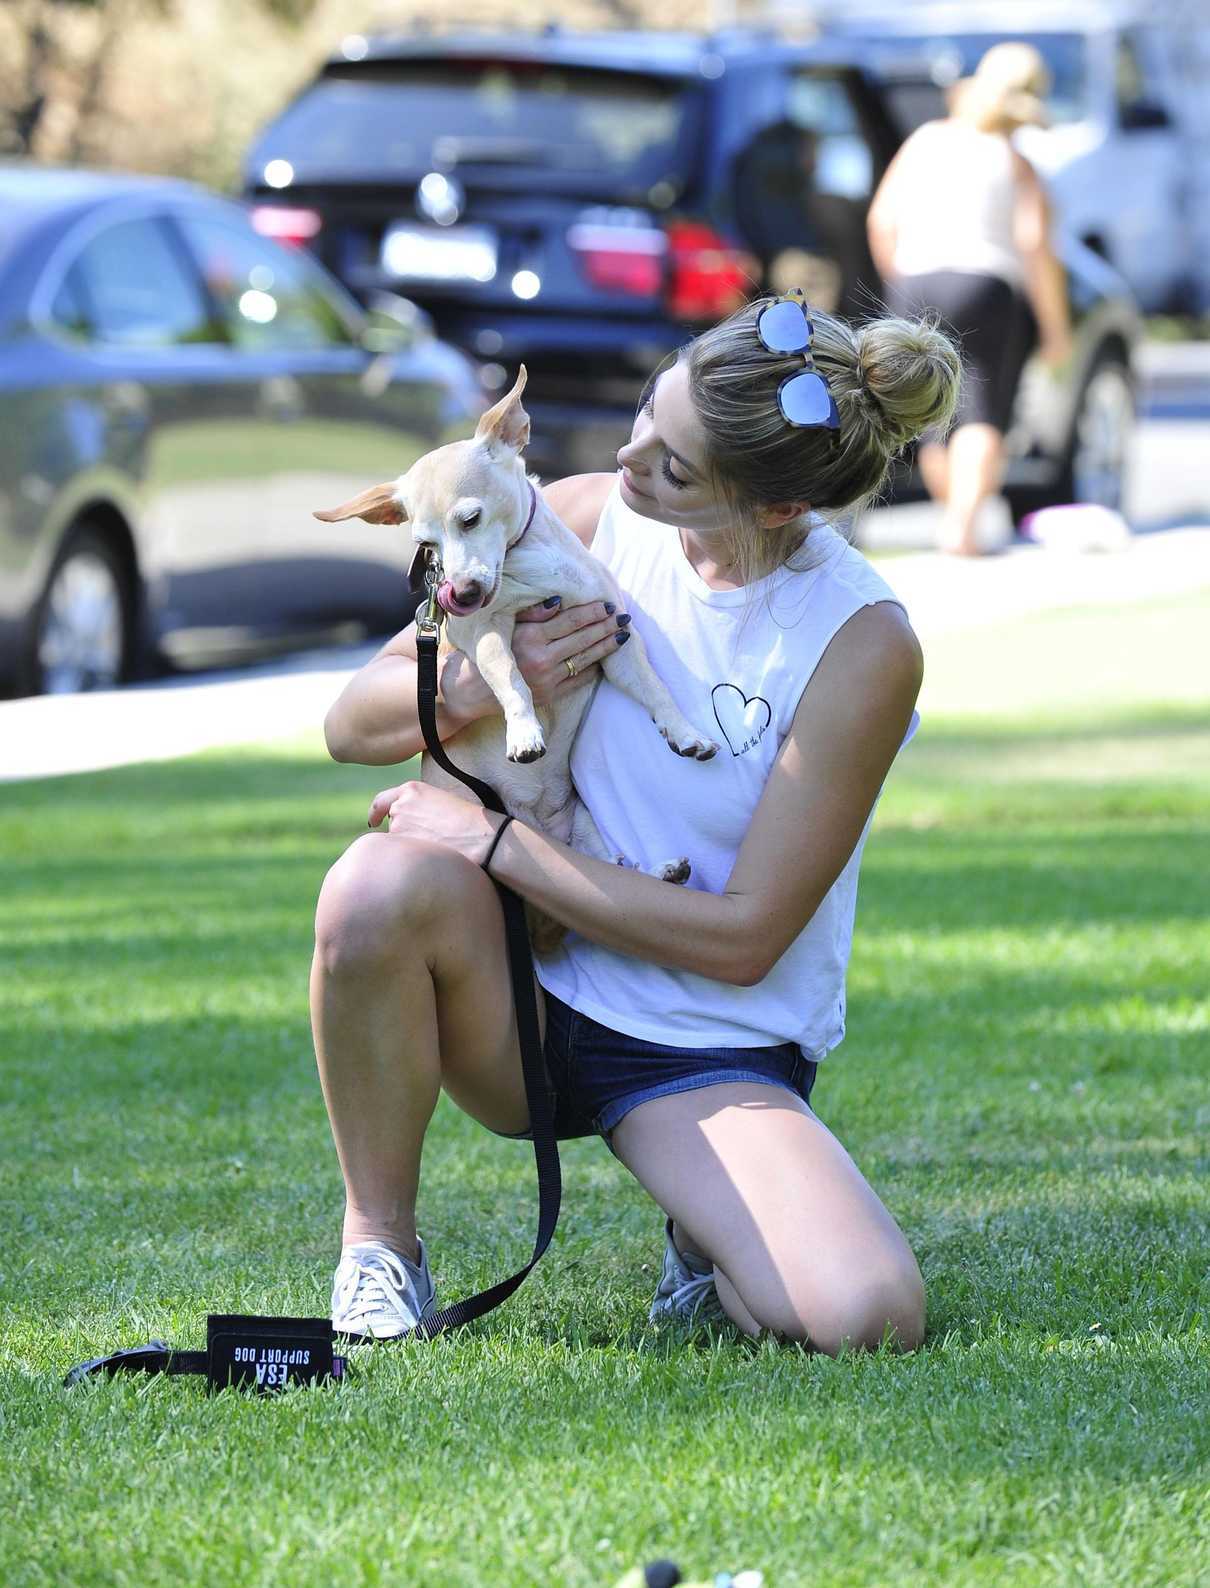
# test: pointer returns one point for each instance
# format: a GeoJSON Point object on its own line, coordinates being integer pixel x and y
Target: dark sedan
{"type": "Point", "coordinates": [177, 393]}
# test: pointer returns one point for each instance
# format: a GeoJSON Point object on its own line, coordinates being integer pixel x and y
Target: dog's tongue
{"type": "Point", "coordinates": [450, 602]}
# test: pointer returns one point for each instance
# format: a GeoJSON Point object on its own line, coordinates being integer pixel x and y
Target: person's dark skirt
{"type": "Point", "coordinates": [993, 325]}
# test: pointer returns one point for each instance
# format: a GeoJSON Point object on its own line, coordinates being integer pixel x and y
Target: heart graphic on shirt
{"type": "Point", "coordinates": [742, 718]}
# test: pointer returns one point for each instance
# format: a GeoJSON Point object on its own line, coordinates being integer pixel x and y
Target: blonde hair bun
{"type": "Point", "coordinates": [890, 378]}
{"type": "Point", "coordinates": [913, 373]}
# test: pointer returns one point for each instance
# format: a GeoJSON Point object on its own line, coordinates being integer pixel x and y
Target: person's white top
{"type": "Point", "coordinates": [955, 195]}
{"type": "Point", "coordinates": [736, 662]}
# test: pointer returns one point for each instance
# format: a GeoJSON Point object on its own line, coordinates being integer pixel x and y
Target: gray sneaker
{"type": "Point", "coordinates": [378, 1294]}
{"type": "Point", "coordinates": [686, 1290]}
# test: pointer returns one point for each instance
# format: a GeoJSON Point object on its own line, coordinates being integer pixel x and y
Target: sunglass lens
{"type": "Point", "coordinates": [806, 400]}
{"type": "Point", "coordinates": [784, 328]}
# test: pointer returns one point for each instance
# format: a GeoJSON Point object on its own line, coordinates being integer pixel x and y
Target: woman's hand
{"type": "Point", "coordinates": [417, 811]}
{"type": "Point", "coordinates": [545, 639]}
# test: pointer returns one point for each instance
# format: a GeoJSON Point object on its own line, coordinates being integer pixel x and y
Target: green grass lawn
{"type": "Point", "coordinates": [1024, 1084]}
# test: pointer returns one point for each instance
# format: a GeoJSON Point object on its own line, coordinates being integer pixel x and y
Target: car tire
{"type": "Point", "coordinates": [82, 631]}
{"type": "Point", "coordinates": [1096, 460]}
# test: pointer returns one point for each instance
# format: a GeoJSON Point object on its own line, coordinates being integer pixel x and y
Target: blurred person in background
{"type": "Point", "coordinates": [961, 225]}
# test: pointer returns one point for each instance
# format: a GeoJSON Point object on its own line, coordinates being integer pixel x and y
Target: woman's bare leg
{"type": "Point", "coordinates": [410, 992]}
{"type": "Point", "coordinates": [932, 459]}
{"type": "Point", "coordinates": [800, 1242]}
{"type": "Point", "coordinates": [976, 468]}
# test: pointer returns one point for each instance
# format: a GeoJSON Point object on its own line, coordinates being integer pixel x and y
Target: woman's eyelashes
{"type": "Point", "coordinates": [666, 469]}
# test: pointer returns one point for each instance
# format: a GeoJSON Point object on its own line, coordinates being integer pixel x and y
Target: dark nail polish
{"type": "Point", "coordinates": [552, 601]}
{"type": "Point", "coordinates": [622, 636]}
{"type": "Point", "coordinates": [610, 608]}
{"type": "Point", "coordinates": [623, 619]}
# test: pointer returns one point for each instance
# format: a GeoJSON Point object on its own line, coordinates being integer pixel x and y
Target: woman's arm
{"type": "Point", "coordinates": [374, 720]}
{"type": "Point", "coordinates": [882, 217]}
{"type": "Point", "coordinates": [1045, 278]}
{"type": "Point", "coordinates": [848, 727]}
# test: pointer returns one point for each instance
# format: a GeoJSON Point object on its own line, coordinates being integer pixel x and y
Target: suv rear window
{"type": "Point", "coordinates": [386, 118]}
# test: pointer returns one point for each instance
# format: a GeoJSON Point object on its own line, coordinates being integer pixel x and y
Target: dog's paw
{"type": "Point", "coordinates": [525, 745]}
{"type": "Point", "coordinates": [688, 742]}
{"type": "Point", "coordinates": [677, 871]}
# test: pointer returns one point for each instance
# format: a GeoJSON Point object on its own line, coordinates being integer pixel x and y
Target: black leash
{"type": "Point", "coordinates": [270, 1354]}
{"type": "Point", "coordinates": [521, 969]}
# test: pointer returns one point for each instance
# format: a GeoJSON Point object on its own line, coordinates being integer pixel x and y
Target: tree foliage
{"type": "Point", "coordinates": [59, 59]}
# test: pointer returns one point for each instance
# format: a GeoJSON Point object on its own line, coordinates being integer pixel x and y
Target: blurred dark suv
{"type": "Point", "coordinates": [585, 203]}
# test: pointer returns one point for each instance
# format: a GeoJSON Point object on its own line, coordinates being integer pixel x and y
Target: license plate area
{"type": "Point", "coordinates": [440, 253]}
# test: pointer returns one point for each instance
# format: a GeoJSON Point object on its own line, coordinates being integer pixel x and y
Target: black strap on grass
{"type": "Point", "coordinates": [243, 1351]}
{"type": "Point", "coordinates": [261, 1353]}
{"type": "Point", "coordinates": [521, 969]}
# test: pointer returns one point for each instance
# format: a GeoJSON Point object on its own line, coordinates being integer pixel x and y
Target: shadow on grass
{"type": "Point", "coordinates": [950, 882]}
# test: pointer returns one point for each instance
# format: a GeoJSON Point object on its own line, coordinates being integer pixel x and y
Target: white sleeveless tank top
{"type": "Point", "coordinates": [736, 662]}
{"type": "Point", "coordinates": [957, 195]}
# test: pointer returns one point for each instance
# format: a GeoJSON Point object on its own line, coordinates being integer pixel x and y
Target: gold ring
{"type": "Point", "coordinates": [570, 666]}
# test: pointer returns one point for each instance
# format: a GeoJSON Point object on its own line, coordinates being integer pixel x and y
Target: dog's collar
{"type": "Point", "coordinates": [533, 508]}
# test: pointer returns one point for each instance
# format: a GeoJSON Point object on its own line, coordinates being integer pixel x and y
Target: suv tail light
{"type": "Point", "coordinates": [620, 258]}
{"type": "Point", "coordinates": [292, 226]}
{"type": "Point", "coordinates": [709, 279]}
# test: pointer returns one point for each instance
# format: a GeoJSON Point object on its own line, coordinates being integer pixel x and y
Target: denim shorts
{"type": "Point", "coordinates": [596, 1076]}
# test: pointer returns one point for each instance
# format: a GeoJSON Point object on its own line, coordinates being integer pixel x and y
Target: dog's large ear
{"type": "Point", "coordinates": [506, 423]}
{"type": "Point", "coordinates": [379, 505]}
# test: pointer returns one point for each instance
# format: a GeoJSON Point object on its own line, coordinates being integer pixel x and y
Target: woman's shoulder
{"type": "Point", "coordinates": [833, 562]}
{"type": "Point", "coordinates": [579, 500]}
{"type": "Point", "coordinates": [929, 132]}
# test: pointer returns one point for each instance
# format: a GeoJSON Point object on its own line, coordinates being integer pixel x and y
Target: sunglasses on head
{"type": "Point", "coordinates": [804, 399]}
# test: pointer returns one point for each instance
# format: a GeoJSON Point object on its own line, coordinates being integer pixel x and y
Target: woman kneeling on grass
{"type": "Point", "coordinates": [682, 1024]}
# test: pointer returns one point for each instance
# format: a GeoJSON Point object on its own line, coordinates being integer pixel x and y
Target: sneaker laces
{"type": "Point", "coordinates": [370, 1282]}
{"type": "Point", "coordinates": [698, 1296]}
{"type": "Point", "coordinates": [687, 1286]}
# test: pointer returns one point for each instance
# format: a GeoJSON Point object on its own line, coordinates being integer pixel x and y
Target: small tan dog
{"type": "Point", "coordinates": [503, 549]}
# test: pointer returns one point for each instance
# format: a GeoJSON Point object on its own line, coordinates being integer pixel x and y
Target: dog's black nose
{"type": "Point", "coordinates": [469, 594]}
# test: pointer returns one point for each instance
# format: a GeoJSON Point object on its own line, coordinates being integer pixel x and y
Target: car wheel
{"type": "Point", "coordinates": [83, 628]}
{"type": "Point", "coordinates": [1099, 451]}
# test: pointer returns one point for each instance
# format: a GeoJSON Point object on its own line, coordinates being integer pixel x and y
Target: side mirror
{"type": "Point", "coordinates": [394, 324]}
{"type": "Point", "coordinates": [1144, 115]}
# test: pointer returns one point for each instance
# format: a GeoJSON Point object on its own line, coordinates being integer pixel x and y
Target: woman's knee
{"type": "Point", "coordinates": [878, 1309]}
{"type": "Point", "coordinates": [376, 898]}
{"type": "Point", "coordinates": [859, 1312]}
